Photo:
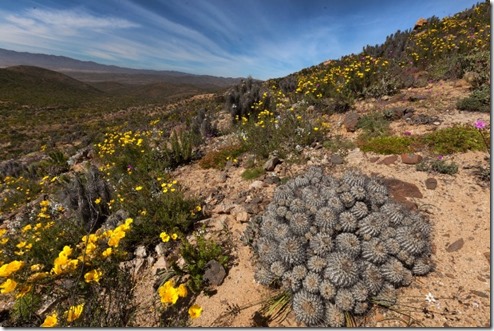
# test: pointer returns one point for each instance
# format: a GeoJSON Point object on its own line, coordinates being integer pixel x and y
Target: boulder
{"type": "Point", "coordinates": [350, 121]}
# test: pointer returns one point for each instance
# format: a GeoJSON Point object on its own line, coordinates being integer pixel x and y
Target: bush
{"type": "Point", "coordinates": [387, 145]}
{"type": "Point", "coordinates": [218, 159]}
{"type": "Point", "coordinates": [252, 173]}
{"type": "Point", "coordinates": [456, 139]}
{"type": "Point", "coordinates": [479, 100]}
{"type": "Point", "coordinates": [440, 166]}
{"type": "Point", "coordinates": [373, 125]}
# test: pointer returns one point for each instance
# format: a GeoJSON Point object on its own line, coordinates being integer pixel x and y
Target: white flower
{"type": "Point", "coordinates": [430, 298]}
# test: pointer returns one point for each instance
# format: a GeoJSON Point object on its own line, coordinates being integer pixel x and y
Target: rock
{"type": "Point", "coordinates": [222, 177]}
{"type": "Point", "coordinates": [272, 180]}
{"type": "Point", "coordinates": [336, 159]}
{"type": "Point", "coordinates": [420, 23]}
{"type": "Point", "coordinates": [271, 163]}
{"type": "Point", "coordinates": [214, 273]}
{"type": "Point", "coordinates": [159, 265]}
{"type": "Point", "coordinates": [242, 217]}
{"type": "Point", "coordinates": [456, 246]}
{"type": "Point", "coordinates": [256, 184]}
{"type": "Point", "coordinates": [400, 190]}
{"type": "Point", "coordinates": [388, 160]}
{"type": "Point", "coordinates": [410, 158]}
{"type": "Point", "coordinates": [160, 249]}
{"type": "Point", "coordinates": [140, 252]}
{"type": "Point", "coordinates": [471, 78]}
{"type": "Point", "coordinates": [350, 121]}
{"type": "Point", "coordinates": [373, 159]}
{"type": "Point", "coordinates": [431, 183]}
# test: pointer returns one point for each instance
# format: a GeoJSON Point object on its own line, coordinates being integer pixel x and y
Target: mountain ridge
{"type": "Point", "coordinates": [89, 71]}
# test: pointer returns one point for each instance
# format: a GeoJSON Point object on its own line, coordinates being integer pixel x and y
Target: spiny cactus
{"type": "Point", "coordinates": [88, 195]}
{"type": "Point", "coordinates": [242, 97]}
{"type": "Point", "coordinates": [338, 245]}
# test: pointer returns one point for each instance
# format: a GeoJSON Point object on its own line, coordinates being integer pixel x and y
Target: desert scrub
{"type": "Point", "coordinates": [441, 166]}
{"type": "Point", "coordinates": [197, 254]}
{"type": "Point", "coordinates": [281, 132]}
{"type": "Point", "coordinates": [252, 173]}
{"type": "Point", "coordinates": [456, 139]}
{"type": "Point", "coordinates": [217, 159]}
{"type": "Point", "coordinates": [50, 259]}
{"type": "Point", "coordinates": [479, 100]}
{"type": "Point", "coordinates": [373, 125]}
{"type": "Point", "coordinates": [339, 245]}
{"type": "Point", "coordinates": [338, 144]}
{"type": "Point", "coordinates": [241, 98]}
{"type": "Point", "coordinates": [387, 145]}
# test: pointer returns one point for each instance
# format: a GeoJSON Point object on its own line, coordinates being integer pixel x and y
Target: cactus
{"type": "Point", "coordinates": [338, 245]}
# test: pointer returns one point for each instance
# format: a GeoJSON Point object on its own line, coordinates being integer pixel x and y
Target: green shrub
{"type": "Point", "coordinates": [218, 159]}
{"type": "Point", "coordinates": [179, 150]}
{"type": "Point", "coordinates": [479, 100]}
{"type": "Point", "coordinates": [440, 166]}
{"type": "Point", "coordinates": [252, 173]}
{"type": "Point", "coordinates": [373, 125]}
{"type": "Point", "coordinates": [456, 139]}
{"type": "Point", "coordinates": [387, 145]}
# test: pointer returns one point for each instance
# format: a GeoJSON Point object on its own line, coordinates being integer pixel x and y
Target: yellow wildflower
{"type": "Point", "coordinates": [107, 252]}
{"type": "Point", "coordinates": [8, 286]}
{"type": "Point", "coordinates": [50, 321]}
{"type": "Point", "coordinates": [10, 268]}
{"type": "Point", "coordinates": [174, 236]}
{"type": "Point", "coordinates": [97, 201]}
{"type": "Point", "coordinates": [164, 237]}
{"type": "Point", "coordinates": [195, 311]}
{"type": "Point", "coordinates": [182, 290]}
{"type": "Point", "coordinates": [93, 276]}
{"type": "Point", "coordinates": [138, 188]}
{"type": "Point", "coordinates": [26, 228]}
{"type": "Point", "coordinates": [74, 312]}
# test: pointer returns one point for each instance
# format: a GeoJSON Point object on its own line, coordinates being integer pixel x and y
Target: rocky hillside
{"type": "Point", "coordinates": [353, 193]}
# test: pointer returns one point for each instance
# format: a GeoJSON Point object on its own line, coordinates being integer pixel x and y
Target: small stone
{"type": "Point", "coordinates": [160, 264]}
{"type": "Point", "coordinates": [214, 273]}
{"type": "Point", "coordinates": [350, 121]}
{"type": "Point", "coordinates": [431, 183]}
{"type": "Point", "coordinates": [222, 177]}
{"type": "Point", "coordinates": [456, 246]}
{"type": "Point", "coordinates": [242, 217]}
{"type": "Point", "coordinates": [256, 184]}
{"type": "Point", "coordinates": [140, 252]}
{"type": "Point", "coordinates": [271, 163]}
{"type": "Point", "coordinates": [272, 180]}
{"type": "Point", "coordinates": [373, 159]}
{"type": "Point", "coordinates": [388, 160]}
{"type": "Point", "coordinates": [336, 159]}
{"type": "Point", "coordinates": [480, 294]}
{"type": "Point", "coordinates": [160, 249]}
{"type": "Point", "coordinates": [436, 123]}
{"type": "Point", "coordinates": [410, 158]}
{"type": "Point", "coordinates": [488, 257]}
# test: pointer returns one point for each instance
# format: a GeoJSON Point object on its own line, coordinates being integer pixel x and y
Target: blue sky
{"type": "Point", "coordinates": [230, 38]}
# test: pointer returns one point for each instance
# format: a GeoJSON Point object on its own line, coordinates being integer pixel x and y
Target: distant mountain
{"type": "Point", "coordinates": [34, 85]}
{"type": "Point", "coordinates": [88, 71]}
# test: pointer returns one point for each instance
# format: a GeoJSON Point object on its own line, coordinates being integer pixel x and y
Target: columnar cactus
{"type": "Point", "coordinates": [338, 245]}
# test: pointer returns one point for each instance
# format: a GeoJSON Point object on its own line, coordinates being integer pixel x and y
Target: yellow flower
{"type": "Point", "coordinates": [195, 311]}
{"type": "Point", "coordinates": [26, 228]}
{"type": "Point", "coordinates": [174, 236]}
{"type": "Point", "coordinates": [93, 276]}
{"type": "Point", "coordinates": [2, 232]}
{"type": "Point", "coordinates": [168, 293]}
{"type": "Point", "coordinates": [182, 290]}
{"type": "Point", "coordinates": [74, 312]}
{"type": "Point", "coordinates": [107, 252]}
{"type": "Point", "coordinates": [8, 286]}
{"type": "Point", "coordinates": [115, 237]}
{"type": "Point", "coordinates": [23, 291]}
{"type": "Point", "coordinates": [198, 208]}
{"type": "Point", "coordinates": [164, 237]}
{"type": "Point", "coordinates": [138, 188]}
{"type": "Point", "coordinates": [97, 201]}
{"type": "Point", "coordinates": [21, 244]}
{"type": "Point", "coordinates": [50, 321]}
{"type": "Point", "coordinates": [36, 267]}
{"type": "Point", "coordinates": [10, 268]}
{"type": "Point", "coordinates": [66, 251]}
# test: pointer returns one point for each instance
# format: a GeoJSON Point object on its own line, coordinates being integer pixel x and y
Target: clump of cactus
{"type": "Point", "coordinates": [241, 98]}
{"type": "Point", "coordinates": [339, 245]}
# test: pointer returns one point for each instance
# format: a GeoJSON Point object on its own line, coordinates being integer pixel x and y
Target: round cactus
{"type": "Point", "coordinates": [338, 245]}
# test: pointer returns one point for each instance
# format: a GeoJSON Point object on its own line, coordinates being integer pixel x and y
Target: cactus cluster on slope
{"type": "Point", "coordinates": [338, 245]}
